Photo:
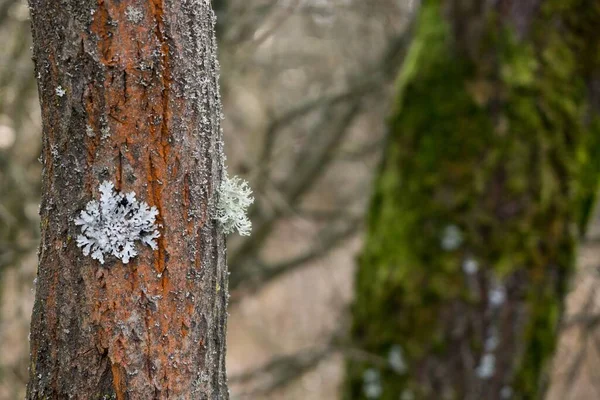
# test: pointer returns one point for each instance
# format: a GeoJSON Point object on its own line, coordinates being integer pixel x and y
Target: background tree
{"type": "Point", "coordinates": [472, 229]}
{"type": "Point", "coordinates": [129, 94]}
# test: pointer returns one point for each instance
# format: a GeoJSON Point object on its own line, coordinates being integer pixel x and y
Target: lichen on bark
{"type": "Point", "coordinates": [139, 106]}
{"type": "Point", "coordinates": [492, 140]}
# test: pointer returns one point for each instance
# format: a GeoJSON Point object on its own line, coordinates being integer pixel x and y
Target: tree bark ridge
{"type": "Point", "coordinates": [141, 108]}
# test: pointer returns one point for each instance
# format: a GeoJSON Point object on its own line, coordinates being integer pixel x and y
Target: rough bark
{"type": "Point", "coordinates": [141, 109]}
{"type": "Point", "coordinates": [472, 228]}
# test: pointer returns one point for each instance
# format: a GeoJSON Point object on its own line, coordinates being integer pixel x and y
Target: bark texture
{"type": "Point", "coordinates": [129, 93]}
{"type": "Point", "coordinates": [473, 226]}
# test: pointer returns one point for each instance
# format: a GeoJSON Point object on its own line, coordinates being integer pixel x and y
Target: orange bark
{"type": "Point", "coordinates": [139, 117]}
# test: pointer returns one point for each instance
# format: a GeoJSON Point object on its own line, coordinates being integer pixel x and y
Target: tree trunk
{"type": "Point", "coordinates": [472, 228]}
{"type": "Point", "coordinates": [129, 94]}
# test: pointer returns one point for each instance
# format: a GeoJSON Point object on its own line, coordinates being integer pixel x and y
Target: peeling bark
{"type": "Point", "coordinates": [141, 108]}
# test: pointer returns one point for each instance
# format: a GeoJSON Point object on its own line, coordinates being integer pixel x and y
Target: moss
{"type": "Point", "coordinates": [502, 155]}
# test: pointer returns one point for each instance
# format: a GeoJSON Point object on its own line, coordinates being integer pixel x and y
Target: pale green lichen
{"type": "Point", "coordinates": [235, 196]}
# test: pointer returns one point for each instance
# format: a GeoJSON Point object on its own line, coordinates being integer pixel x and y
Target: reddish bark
{"type": "Point", "coordinates": [141, 109]}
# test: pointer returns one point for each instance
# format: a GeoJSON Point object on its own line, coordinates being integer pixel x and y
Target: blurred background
{"type": "Point", "coordinates": [307, 89]}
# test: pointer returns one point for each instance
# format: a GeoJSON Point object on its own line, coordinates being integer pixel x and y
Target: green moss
{"type": "Point", "coordinates": [504, 155]}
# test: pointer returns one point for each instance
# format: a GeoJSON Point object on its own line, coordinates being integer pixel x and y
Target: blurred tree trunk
{"type": "Point", "coordinates": [220, 8]}
{"type": "Point", "coordinates": [486, 176]}
{"type": "Point", "coordinates": [129, 94]}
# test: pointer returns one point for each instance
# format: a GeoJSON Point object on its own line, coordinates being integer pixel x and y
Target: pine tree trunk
{"type": "Point", "coordinates": [129, 94]}
{"type": "Point", "coordinates": [472, 228]}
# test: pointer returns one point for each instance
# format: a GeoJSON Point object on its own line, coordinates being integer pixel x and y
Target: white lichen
{"type": "Point", "coordinates": [497, 296]}
{"type": "Point", "coordinates": [112, 225]}
{"type": "Point", "coordinates": [372, 387]}
{"type": "Point", "coordinates": [235, 196]}
{"type": "Point", "coordinates": [105, 132]}
{"type": "Point", "coordinates": [452, 238]}
{"type": "Point", "coordinates": [492, 341]}
{"type": "Point", "coordinates": [470, 266]}
{"type": "Point", "coordinates": [487, 366]}
{"type": "Point", "coordinates": [89, 131]}
{"type": "Point", "coordinates": [134, 14]}
{"type": "Point", "coordinates": [60, 92]}
{"type": "Point", "coordinates": [396, 359]}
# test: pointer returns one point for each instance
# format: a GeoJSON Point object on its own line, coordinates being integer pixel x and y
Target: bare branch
{"type": "Point", "coordinates": [281, 371]}
{"type": "Point", "coordinates": [258, 274]}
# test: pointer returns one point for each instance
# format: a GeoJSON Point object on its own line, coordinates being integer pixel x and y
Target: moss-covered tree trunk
{"type": "Point", "coordinates": [129, 95]}
{"type": "Point", "coordinates": [473, 226]}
